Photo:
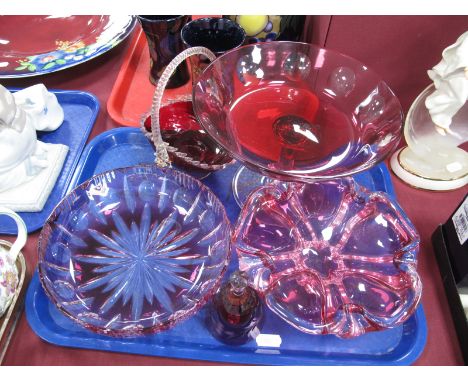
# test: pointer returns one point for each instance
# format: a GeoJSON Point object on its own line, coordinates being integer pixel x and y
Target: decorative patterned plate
{"type": "Point", "coordinates": [35, 45]}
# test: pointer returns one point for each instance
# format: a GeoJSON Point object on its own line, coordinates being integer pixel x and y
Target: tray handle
{"type": "Point", "coordinates": [161, 154]}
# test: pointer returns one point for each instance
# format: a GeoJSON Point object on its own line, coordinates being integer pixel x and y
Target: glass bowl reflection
{"type": "Point", "coordinates": [134, 250]}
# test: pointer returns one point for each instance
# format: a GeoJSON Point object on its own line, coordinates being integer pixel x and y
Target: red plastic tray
{"type": "Point", "coordinates": [132, 93]}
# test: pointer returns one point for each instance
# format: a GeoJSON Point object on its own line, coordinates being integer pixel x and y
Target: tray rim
{"type": "Point", "coordinates": [79, 148]}
{"type": "Point", "coordinates": [123, 345]}
{"type": "Point", "coordinates": [127, 346]}
{"type": "Point", "coordinates": [87, 151]}
{"type": "Point", "coordinates": [130, 55]}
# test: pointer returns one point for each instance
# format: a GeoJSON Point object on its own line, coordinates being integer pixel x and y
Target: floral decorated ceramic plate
{"type": "Point", "coordinates": [35, 45]}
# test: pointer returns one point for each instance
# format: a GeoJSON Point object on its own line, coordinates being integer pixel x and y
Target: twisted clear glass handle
{"type": "Point", "coordinates": [162, 157]}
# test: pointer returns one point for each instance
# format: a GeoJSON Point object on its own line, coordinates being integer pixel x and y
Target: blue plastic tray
{"type": "Point", "coordinates": [80, 111]}
{"type": "Point", "coordinates": [190, 339]}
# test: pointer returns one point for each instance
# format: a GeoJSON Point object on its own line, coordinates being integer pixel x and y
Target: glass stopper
{"type": "Point", "coordinates": [238, 283]}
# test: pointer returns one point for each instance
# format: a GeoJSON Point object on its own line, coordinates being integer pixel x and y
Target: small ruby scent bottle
{"type": "Point", "coordinates": [235, 315]}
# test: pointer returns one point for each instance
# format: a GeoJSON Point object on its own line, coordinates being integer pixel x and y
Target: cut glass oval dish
{"type": "Point", "coordinates": [330, 257]}
{"type": "Point", "coordinates": [134, 250]}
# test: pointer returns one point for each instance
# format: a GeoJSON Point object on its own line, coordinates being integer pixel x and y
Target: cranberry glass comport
{"type": "Point", "coordinates": [295, 111]}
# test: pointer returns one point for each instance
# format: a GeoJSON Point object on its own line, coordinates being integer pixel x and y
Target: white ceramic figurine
{"type": "Point", "coordinates": [41, 105]}
{"type": "Point", "coordinates": [21, 156]}
{"type": "Point", "coordinates": [28, 167]}
{"type": "Point", "coordinates": [450, 77]}
{"type": "Point", "coordinates": [437, 126]}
